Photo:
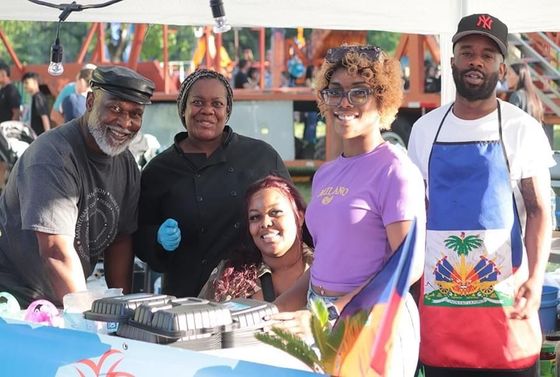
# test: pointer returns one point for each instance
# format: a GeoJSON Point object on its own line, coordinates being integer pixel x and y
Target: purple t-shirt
{"type": "Point", "coordinates": [353, 200]}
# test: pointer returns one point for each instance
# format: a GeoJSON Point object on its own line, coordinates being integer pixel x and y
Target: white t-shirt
{"type": "Point", "coordinates": [527, 148]}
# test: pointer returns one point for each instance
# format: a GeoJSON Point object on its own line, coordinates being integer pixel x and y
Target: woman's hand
{"type": "Point", "coordinates": [169, 235]}
{"type": "Point", "coordinates": [298, 323]}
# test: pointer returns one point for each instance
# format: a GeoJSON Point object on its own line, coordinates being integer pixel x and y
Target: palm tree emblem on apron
{"type": "Point", "coordinates": [463, 279]}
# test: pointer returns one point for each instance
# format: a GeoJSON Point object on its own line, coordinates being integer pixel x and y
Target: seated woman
{"type": "Point", "coordinates": [276, 257]}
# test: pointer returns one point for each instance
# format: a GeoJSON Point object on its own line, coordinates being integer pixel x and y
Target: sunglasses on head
{"type": "Point", "coordinates": [335, 55]}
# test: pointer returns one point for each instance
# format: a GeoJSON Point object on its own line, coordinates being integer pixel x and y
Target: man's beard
{"type": "Point", "coordinates": [104, 139]}
{"type": "Point", "coordinates": [474, 93]}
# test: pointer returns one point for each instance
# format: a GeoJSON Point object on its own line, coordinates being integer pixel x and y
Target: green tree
{"type": "Point", "coordinates": [180, 43]}
{"type": "Point", "coordinates": [36, 50]}
{"type": "Point", "coordinates": [386, 40]}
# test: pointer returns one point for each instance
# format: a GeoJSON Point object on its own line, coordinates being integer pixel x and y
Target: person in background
{"type": "Point", "coordinates": [254, 78]}
{"type": "Point", "coordinates": [73, 196]}
{"type": "Point", "coordinates": [74, 105]}
{"type": "Point", "coordinates": [248, 54]}
{"type": "Point", "coordinates": [56, 115]}
{"type": "Point", "coordinates": [524, 93]}
{"type": "Point", "coordinates": [364, 202]}
{"type": "Point", "coordinates": [277, 256]}
{"type": "Point", "coordinates": [241, 78]}
{"type": "Point", "coordinates": [40, 121]}
{"type": "Point", "coordinates": [432, 78]}
{"type": "Point", "coordinates": [10, 99]}
{"type": "Point", "coordinates": [191, 202]}
{"type": "Point", "coordinates": [486, 166]}
{"type": "Point", "coordinates": [310, 118]}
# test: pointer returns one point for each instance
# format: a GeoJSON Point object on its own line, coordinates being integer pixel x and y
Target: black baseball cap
{"type": "Point", "coordinates": [483, 24]}
{"type": "Point", "coordinates": [123, 83]}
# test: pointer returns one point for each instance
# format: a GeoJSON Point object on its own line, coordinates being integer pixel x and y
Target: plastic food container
{"type": "Point", "coordinates": [76, 303]}
{"type": "Point", "coordinates": [191, 323]}
{"type": "Point", "coordinates": [248, 319]}
{"type": "Point", "coordinates": [120, 309]}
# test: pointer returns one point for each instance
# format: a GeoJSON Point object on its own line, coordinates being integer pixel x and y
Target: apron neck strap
{"type": "Point", "coordinates": [499, 123]}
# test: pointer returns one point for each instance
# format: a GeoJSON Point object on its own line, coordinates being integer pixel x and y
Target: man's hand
{"type": "Point", "coordinates": [169, 235]}
{"type": "Point", "coordinates": [527, 300]}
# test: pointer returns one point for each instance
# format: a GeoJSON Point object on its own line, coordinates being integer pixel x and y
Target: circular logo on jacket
{"type": "Point", "coordinates": [97, 223]}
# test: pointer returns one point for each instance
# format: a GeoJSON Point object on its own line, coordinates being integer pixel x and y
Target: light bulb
{"type": "Point", "coordinates": [220, 22]}
{"type": "Point", "coordinates": [55, 69]}
{"type": "Point", "coordinates": [55, 66]}
{"type": "Point", "coordinates": [221, 25]}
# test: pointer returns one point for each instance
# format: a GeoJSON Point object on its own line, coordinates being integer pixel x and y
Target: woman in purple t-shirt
{"type": "Point", "coordinates": [363, 203]}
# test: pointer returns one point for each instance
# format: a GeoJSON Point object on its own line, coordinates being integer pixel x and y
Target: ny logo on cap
{"type": "Point", "coordinates": [485, 22]}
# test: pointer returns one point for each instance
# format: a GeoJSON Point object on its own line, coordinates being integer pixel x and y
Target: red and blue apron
{"type": "Point", "coordinates": [474, 261]}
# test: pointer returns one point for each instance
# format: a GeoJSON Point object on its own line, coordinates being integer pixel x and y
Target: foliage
{"type": "Point", "coordinates": [290, 343]}
{"type": "Point", "coordinates": [247, 38]}
{"type": "Point", "coordinates": [181, 41]}
{"type": "Point", "coordinates": [333, 343]}
{"type": "Point", "coordinates": [36, 50]}
{"type": "Point", "coordinates": [386, 40]}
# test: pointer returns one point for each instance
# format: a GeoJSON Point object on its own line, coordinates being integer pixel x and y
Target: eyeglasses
{"type": "Point", "coordinates": [356, 96]}
{"type": "Point", "coordinates": [335, 55]}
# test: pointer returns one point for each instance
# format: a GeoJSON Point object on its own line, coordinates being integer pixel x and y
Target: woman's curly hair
{"type": "Point", "coordinates": [383, 74]}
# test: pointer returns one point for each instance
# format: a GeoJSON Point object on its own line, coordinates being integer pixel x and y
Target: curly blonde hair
{"type": "Point", "coordinates": [382, 74]}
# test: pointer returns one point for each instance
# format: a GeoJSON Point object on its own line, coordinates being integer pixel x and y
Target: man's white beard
{"type": "Point", "coordinates": [100, 133]}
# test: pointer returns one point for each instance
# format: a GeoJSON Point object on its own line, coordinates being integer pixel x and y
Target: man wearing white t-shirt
{"type": "Point", "coordinates": [485, 163]}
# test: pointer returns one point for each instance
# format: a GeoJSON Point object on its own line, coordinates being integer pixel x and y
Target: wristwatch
{"type": "Point", "coordinates": [333, 311]}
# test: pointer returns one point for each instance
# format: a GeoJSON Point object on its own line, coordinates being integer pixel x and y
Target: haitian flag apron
{"type": "Point", "coordinates": [474, 249]}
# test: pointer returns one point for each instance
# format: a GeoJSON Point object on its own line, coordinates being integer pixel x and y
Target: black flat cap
{"type": "Point", "coordinates": [124, 83]}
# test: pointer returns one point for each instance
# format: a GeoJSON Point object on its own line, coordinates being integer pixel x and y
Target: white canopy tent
{"type": "Point", "coordinates": [406, 16]}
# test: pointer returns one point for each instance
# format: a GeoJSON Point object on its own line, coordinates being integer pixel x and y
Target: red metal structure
{"type": "Point", "coordinates": [413, 49]}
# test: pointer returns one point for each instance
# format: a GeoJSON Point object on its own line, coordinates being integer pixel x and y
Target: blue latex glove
{"type": "Point", "coordinates": [169, 235]}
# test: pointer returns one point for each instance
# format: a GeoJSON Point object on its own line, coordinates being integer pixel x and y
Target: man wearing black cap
{"type": "Point", "coordinates": [485, 163]}
{"type": "Point", "coordinates": [73, 195]}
